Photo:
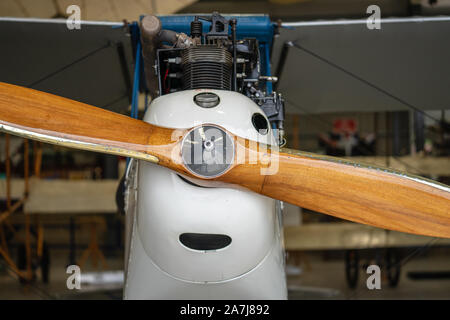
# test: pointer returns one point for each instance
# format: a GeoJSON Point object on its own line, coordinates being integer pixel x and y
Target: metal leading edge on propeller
{"type": "Point", "coordinates": [348, 190]}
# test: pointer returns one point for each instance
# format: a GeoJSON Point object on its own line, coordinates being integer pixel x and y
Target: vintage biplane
{"type": "Point", "coordinates": [208, 169]}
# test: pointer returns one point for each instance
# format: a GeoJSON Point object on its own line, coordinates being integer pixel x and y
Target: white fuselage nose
{"type": "Point", "coordinates": [191, 242]}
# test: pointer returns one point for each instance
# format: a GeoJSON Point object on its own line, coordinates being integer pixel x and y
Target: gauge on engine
{"type": "Point", "coordinates": [207, 151]}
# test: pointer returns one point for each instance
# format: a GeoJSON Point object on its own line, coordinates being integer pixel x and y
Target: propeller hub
{"type": "Point", "coordinates": [207, 151]}
{"type": "Point", "coordinates": [208, 145]}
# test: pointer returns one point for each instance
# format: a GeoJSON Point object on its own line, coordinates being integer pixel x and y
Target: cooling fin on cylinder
{"type": "Point", "coordinates": [206, 67]}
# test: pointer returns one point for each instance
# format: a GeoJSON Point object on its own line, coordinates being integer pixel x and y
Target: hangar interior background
{"type": "Point", "coordinates": [342, 87]}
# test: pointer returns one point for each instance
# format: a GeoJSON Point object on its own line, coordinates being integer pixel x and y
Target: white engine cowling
{"type": "Point", "coordinates": [159, 265]}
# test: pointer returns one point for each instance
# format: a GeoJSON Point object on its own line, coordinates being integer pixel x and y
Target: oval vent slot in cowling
{"type": "Point", "coordinates": [204, 241]}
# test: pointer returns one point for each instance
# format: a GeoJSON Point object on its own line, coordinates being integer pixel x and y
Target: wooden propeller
{"type": "Point", "coordinates": [348, 190]}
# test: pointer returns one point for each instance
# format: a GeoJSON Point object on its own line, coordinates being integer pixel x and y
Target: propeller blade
{"type": "Point", "coordinates": [49, 118]}
{"type": "Point", "coordinates": [366, 194]}
{"type": "Point", "coordinates": [353, 191]}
